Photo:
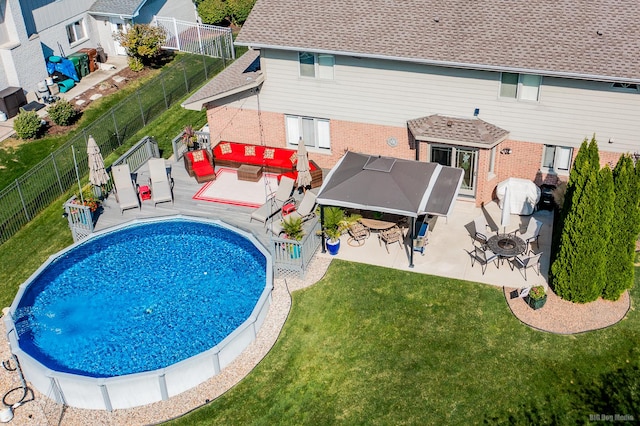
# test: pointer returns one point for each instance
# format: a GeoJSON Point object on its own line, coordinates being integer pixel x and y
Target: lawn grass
{"type": "Point", "coordinates": [370, 345]}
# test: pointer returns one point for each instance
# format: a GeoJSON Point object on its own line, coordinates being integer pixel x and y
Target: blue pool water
{"type": "Point", "coordinates": [141, 298]}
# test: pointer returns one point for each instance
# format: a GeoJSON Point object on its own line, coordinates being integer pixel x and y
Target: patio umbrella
{"type": "Point", "coordinates": [302, 166]}
{"type": "Point", "coordinates": [97, 174]}
{"type": "Point", "coordinates": [506, 210]}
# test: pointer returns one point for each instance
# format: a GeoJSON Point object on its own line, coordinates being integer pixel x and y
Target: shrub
{"type": "Point", "coordinates": [27, 124]}
{"type": "Point", "coordinates": [142, 43]}
{"type": "Point", "coordinates": [62, 112]}
{"type": "Point", "coordinates": [212, 11]}
{"type": "Point", "coordinates": [239, 10]}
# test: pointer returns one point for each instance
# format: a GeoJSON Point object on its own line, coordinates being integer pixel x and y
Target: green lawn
{"type": "Point", "coordinates": [369, 345]}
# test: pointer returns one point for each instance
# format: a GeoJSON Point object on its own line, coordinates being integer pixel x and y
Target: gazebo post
{"type": "Point", "coordinates": [413, 236]}
{"type": "Point", "coordinates": [324, 249]}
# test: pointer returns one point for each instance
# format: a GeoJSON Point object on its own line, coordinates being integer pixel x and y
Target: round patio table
{"type": "Point", "coordinates": [376, 225]}
{"type": "Point", "coordinates": [506, 245]}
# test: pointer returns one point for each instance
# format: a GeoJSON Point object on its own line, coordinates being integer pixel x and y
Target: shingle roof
{"type": "Point", "coordinates": [549, 37]}
{"type": "Point", "coordinates": [244, 73]}
{"type": "Point", "coordinates": [463, 131]}
{"type": "Point", "coordinates": [126, 8]}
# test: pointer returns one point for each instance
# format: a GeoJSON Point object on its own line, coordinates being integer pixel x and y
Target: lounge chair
{"type": "Point", "coordinates": [124, 186]}
{"type": "Point", "coordinates": [274, 203]}
{"type": "Point", "coordinates": [305, 211]}
{"type": "Point", "coordinates": [159, 181]}
{"type": "Point", "coordinates": [390, 236]}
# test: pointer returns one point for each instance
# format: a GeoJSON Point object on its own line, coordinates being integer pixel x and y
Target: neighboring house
{"type": "Point", "coordinates": [33, 30]}
{"type": "Point", "coordinates": [499, 88]}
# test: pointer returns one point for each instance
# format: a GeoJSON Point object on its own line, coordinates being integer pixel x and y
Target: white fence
{"type": "Point", "coordinates": [197, 38]}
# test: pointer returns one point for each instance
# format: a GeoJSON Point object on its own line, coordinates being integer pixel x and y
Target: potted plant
{"type": "Point", "coordinates": [537, 297]}
{"type": "Point", "coordinates": [189, 138]}
{"type": "Point", "coordinates": [292, 226]}
{"type": "Point", "coordinates": [333, 226]}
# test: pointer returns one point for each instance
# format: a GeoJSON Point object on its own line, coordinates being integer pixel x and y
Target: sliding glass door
{"type": "Point", "coordinates": [464, 158]}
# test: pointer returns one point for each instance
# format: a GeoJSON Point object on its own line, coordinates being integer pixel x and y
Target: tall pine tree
{"type": "Point", "coordinates": [625, 226]}
{"type": "Point", "coordinates": [578, 269]}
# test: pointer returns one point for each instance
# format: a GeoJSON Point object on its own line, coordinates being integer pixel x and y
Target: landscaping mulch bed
{"type": "Point", "coordinates": [563, 317]}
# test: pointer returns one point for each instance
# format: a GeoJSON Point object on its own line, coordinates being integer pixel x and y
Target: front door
{"type": "Point", "coordinates": [118, 25]}
{"type": "Point", "coordinates": [464, 158]}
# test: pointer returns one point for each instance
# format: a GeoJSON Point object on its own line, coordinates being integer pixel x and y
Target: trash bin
{"type": "Point", "coordinates": [547, 202]}
{"type": "Point", "coordinates": [81, 63]}
{"type": "Point", "coordinates": [92, 54]}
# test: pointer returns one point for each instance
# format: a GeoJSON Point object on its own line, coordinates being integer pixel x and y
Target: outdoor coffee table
{"type": "Point", "coordinates": [249, 173]}
{"type": "Point", "coordinates": [506, 246]}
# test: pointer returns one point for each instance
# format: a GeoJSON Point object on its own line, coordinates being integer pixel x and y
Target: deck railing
{"type": "Point", "coordinates": [291, 256]}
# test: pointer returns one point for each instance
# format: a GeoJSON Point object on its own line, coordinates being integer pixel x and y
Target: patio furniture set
{"type": "Point", "coordinates": [506, 246]}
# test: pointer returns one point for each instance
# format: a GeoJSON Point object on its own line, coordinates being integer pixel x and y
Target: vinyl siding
{"type": "Point", "coordinates": [390, 93]}
{"type": "Point", "coordinates": [54, 13]}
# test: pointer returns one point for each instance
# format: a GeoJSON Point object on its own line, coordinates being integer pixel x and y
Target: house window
{"type": "Point", "coordinates": [520, 86]}
{"type": "Point", "coordinates": [313, 131]}
{"type": "Point", "coordinates": [557, 158]}
{"type": "Point", "coordinates": [314, 65]}
{"type": "Point", "coordinates": [75, 31]}
{"type": "Point", "coordinates": [492, 161]}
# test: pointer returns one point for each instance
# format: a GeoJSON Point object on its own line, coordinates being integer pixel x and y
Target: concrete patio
{"type": "Point", "coordinates": [446, 253]}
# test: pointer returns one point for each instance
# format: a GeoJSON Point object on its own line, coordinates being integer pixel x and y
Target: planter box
{"type": "Point", "coordinates": [536, 303]}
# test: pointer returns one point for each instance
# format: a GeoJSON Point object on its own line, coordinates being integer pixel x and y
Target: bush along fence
{"type": "Point", "coordinates": [31, 193]}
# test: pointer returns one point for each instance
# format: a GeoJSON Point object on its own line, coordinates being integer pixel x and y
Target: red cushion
{"type": "Point", "coordinates": [202, 168]}
{"type": "Point", "coordinates": [281, 156]}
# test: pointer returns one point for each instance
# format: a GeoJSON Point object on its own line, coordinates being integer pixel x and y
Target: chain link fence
{"type": "Point", "coordinates": [28, 195]}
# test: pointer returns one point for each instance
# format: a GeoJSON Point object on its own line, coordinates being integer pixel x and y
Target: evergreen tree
{"type": "Point", "coordinates": [625, 227]}
{"type": "Point", "coordinates": [578, 269]}
{"type": "Point", "coordinates": [603, 220]}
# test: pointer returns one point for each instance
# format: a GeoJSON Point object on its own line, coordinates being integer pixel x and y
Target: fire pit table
{"type": "Point", "coordinates": [506, 245]}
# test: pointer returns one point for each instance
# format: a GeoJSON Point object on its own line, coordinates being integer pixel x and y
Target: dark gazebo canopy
{"type": "Point", "coordinates": [391, 185]}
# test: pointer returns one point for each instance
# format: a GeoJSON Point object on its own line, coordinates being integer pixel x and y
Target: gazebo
{"type": "Point", "coordinates": [391, 185]}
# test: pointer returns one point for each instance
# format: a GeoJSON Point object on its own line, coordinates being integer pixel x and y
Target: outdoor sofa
{"type": "Point", "coordinates": [274, 160]}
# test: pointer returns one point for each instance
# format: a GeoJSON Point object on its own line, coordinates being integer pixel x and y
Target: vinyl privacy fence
{"type": "Point", "coordinates": [28, 195]}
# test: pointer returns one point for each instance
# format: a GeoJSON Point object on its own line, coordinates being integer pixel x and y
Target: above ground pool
{"type": "Point", "coordinates": [155, 307]}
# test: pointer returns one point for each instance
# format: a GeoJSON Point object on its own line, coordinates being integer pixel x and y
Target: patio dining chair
{"type": "Point", "coordinates": [483, 256]}
{"type": "Point", "coordinates": [390, 236]}
{"type": "Point", "coordinates": [480, 229]}
{"type": "Point", "coordinates": [532, 233]}
{"type": "Point", "coordinates": [532, 260]}
{"type": "Point", "coordinates": [358, 233]}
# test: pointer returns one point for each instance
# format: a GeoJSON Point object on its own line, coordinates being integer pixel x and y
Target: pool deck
{"type": "Point", "coordinates": [446, 255]}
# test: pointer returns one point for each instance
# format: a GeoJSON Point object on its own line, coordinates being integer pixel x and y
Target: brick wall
{"type": "Point", "coordinates": [524, 161]}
